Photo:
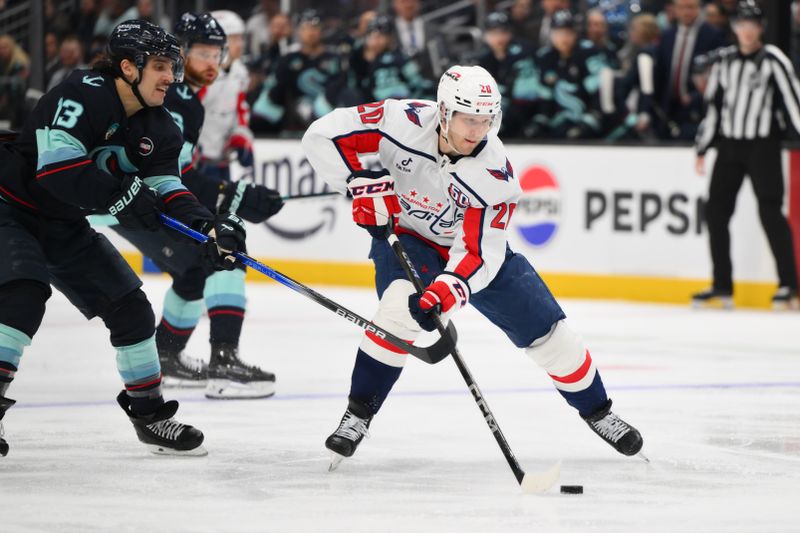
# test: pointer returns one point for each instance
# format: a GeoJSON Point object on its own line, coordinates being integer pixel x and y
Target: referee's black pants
{"type": "Point", "coordinates": [761, 160]}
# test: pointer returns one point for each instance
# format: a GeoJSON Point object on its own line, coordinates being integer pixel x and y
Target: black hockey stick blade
{"type": "Point", "coordinates": [531, 482]}
{"type": "Point", "coordinates": [429, 354]}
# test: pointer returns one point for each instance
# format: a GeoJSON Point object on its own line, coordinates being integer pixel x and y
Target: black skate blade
{"type": "Point", "coordinates": [200, 451]}
{"type": "Point", "coordinates": [539, 482]}
{"type": "Point", "coordinates": [225, 389]}
{"type": "Point", "coordinates": [3, 448]}
{"type": "Point", "coordinates": [336, 460]}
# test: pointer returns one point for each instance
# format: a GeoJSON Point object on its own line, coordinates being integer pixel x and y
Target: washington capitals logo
{"type": "Point", "coordinates": [504, 173]}
{"type": "Point", "coordinates": [412, 112]}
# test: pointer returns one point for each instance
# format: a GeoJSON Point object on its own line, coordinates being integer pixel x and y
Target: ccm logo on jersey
{"type": "Point", "coordinates": [371, 189]}
{"type": "Point", "coordinates": [123, 202]}
{"type": "Point", "coordinates": [459, 198]}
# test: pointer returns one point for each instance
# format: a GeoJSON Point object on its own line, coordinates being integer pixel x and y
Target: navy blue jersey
{"type": "Point", "coordinates": [78, 144]}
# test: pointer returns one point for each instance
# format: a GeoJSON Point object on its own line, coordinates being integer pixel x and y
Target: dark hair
{"type": "Point", "coordinates": [104, 65]}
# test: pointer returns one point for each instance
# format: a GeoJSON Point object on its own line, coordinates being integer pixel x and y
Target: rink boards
{"type": "Point", "coordinates": [596, 222]}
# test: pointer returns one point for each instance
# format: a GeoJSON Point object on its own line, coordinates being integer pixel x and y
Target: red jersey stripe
{"type": "Point", "coordinates": [472, 230]}
{"type": "Point", "coordinates": [67, 167]}
{"type": "Point", "coordinates": [360, 142]}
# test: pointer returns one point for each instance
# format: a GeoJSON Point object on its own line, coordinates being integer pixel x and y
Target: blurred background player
{"type": "Point", "coordinates": [195, 285]}
{"type": "Point", "coordinates": [100, 142]}
{"type": "Point", "coordinates": [569, 105]}
{"type": "Point", "coordinates": [746, 133]}
{"type": "Point", "coordinates": [303, 85]}
{"type": "Point", "coordinates": [226, 132]}
{"type": "Point", "coordinates": [378, 70]}
{"type": "Point", "coordinates": [446, 160]}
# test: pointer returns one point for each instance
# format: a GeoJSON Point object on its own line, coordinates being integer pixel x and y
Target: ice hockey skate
{"type": "Point", "coordinates": [5, 404]}
{"type": "Point", "coordinates": [784, 299]}
{"type": "Point", "coordinates": [161, 433]}
{"type": "Point", "coordinates": [623, 437]}
{"type": "Point", "coordinates": [351, 431]}
{"type": "Point", "coordinates": [230, 378]}
{"type": "Point", "coordinates": [713, 298]}
{"type": "Point", "coordinates": [181, 370]}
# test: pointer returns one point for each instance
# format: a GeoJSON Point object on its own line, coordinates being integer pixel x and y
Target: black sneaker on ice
{"type": "Point", "coordinates": [5, 404]}
{"type": "Point", "coordinates": [625, 438]}
{"type": "Point", "coordinates": [181, 370]}
{"type": "Point", "coordinates": [713, 298]}
{"type": "Point", "coordinates": [230, 378]}
{"type": "Point", "coordinates": [161, 433]}
{"type": "Point", "coordinates": [351, 431]}
{"type": "Point", "coordinates": [785, 298]}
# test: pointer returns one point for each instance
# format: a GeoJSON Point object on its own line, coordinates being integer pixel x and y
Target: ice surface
{"type": "Point", "coordinates": [715, 394]}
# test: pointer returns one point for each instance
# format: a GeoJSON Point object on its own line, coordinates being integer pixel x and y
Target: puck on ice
{"type": "Point", "coordinates": [571, 489]}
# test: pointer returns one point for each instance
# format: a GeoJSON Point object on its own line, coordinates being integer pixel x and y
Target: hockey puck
{"type": "Point", "coordinates": [571, 489]}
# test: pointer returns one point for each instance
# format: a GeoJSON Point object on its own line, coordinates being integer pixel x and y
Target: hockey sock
{"type": "Point", "coordinates": [588, 400]}
{"type": "Point", "coordinates": [178, 322]}
{"type": "Point", "coordinates": [372, 381]}
{"type": "Point", "coordinates": [141, 372]}
{"type": "Point", "coordinates": [225, 299]}
{"type": "Point", "coordinates": [12, 342]}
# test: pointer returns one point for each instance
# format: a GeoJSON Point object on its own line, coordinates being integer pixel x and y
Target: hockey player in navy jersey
{"type": "Point", "coordinates": [100, 142]}
{"type": "Point", "coordinates": [450, 189]}
{"type": "Point", "coordinates": [195, 284]}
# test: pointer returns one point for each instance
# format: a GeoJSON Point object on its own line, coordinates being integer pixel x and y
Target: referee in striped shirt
{"type": "Point", "coordinates": [752, 95]}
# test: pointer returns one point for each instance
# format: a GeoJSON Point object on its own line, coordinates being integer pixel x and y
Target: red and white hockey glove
{"type": "Point", "coordinates": [241, 142]}
{"type": "Point", "coordinates": [374, 201]}
{"type": "Point", "coordinates": [447, 294]}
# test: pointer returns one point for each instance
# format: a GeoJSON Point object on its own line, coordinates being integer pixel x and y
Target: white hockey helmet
{"type": "Point", "coordinates": [232, 24]}
{"type": "Point", "coordinates": [468, 90]}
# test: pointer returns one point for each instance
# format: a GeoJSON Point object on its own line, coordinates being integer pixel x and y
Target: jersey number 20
{"type": "Point", "coordinates": [371, 113]}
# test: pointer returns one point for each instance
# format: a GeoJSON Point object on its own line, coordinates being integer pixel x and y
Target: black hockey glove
{"type": "Point", "coordinates": [226, 236]}
{"type": "Point", "coordinates": [254, 203]}
{"type": "Point", "coordinates": [136, 206]}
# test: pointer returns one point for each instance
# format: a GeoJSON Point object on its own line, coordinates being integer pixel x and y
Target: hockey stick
{"type": "Point", "coordinates": [312, 195]}
{"type": "Point", "coordinates": [430, 354]}
{"type": "Point", "coordinates": [532, 482]}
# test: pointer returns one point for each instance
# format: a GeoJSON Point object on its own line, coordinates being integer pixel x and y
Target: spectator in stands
{"type": "Point", "coordinates": [379, 70]}
{"type": "Point", "coordinates": [262, 65]}
{"type": "Point", "coordinates": [568, 107]}
{"type": "Point", "coordinates": [112, 14]}
{"type": "Point", "coordinates": [14, 69]}
{"type": "Point", "coordinates": [257, 28]}
{"type": "Point", "coordinates": [523, 24]}
{"type": "Point", "coordinates": [510, 62]}
{"type": "Point", "coordinates": [412, 31]}
{"type": "Point", "coordinates": [70, 55]}
{"type": "Point", "coordinates": [287, 100]}
{"type": "Point", "coordinates": [97, 49]}
{"type": "Point", "coordinates": [83, 20]}
{"type": "Point", "coordinates": [627, 101]}
{"type": "Point", "coordinates": [54, 19]}
{"type": "Point", "coordinates": [51, 62]}
{"type": "Point", "coordinates": [597, 35]}
{"type": "Point", "coordinates": [716, 16]}
{"type": "Point", "coordinates": [145, 10]}
{"type": "Point", "coordinates": [544, 16]}
{"type": "Point", "coordinates": [678, 99]}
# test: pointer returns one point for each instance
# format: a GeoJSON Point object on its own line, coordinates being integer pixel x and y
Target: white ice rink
{"type": "Point", "coordinates": [715, 394]}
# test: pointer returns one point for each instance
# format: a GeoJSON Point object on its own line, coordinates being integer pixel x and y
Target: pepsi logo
{"type": "Point", "coordinates": [539, 210]}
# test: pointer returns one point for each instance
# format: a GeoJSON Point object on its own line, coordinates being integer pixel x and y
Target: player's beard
{"type": "Point", "coordinates": [200, 77]}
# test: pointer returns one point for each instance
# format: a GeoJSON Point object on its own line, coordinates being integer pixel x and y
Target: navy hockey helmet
{"type": "Point", "coordinates": [199, 28]}
{"type": "Point", "coordinates": [137, 40]}
{"type": "Point", "coordinates": [498, 21]}
{"type": "Point", "coordinates": [562, 19]}
{"type": "Point", "coordinates": [748, 10]}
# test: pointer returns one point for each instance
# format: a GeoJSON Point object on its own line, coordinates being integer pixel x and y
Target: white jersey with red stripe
{"type": "Point", "coordinates": [226, 109]}
{"type": "Point", "coordinates": [462, 203]}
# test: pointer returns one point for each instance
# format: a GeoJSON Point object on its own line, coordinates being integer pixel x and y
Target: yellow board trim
{"type": "Point", "coordinates": [604, 287]}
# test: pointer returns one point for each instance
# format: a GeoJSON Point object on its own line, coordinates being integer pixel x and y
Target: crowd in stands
{"type": "Point", "coordinates": [568, 69]}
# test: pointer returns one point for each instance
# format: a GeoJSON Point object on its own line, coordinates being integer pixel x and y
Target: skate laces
{"type": "Point", "coordinates": [167, 429]}
{"type": "Point", "coordinates": [352, 427]}
{"type": "Point", "coordinates": [192, 363]}
{"type": "Point", "coordinates": [611, 427]}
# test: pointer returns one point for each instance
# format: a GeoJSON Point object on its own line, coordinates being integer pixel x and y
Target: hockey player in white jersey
{"type": "Point", "coordinates": [226, 132]}
{"type": "Point", "coordinates": [450, 191]}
